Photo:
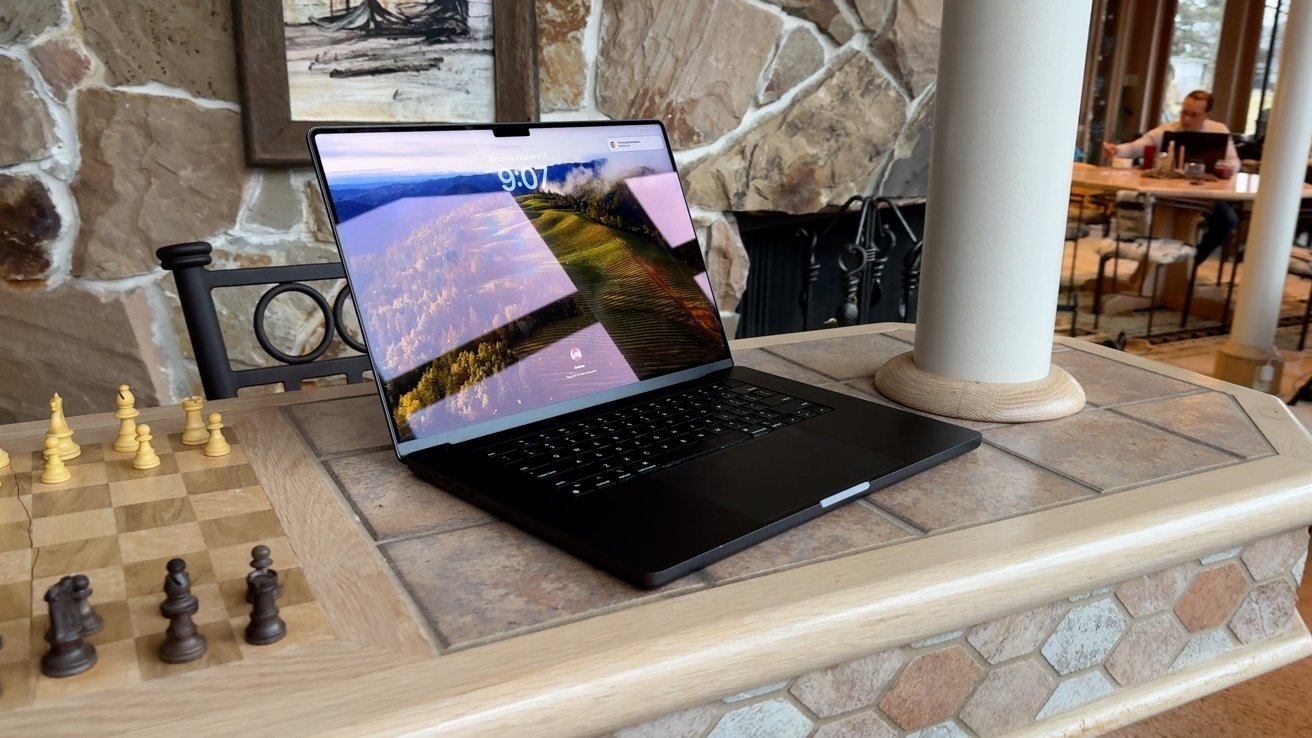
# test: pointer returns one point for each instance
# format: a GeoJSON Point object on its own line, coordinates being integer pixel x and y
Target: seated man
{"type": "Point", "coordinates": [1193, 117]}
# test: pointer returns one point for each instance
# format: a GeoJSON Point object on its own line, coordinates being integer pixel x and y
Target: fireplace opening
{"type": "Point", "coordinates": [857, 265]}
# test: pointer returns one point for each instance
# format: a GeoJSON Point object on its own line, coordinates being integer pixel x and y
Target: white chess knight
{"type": "Point", "coordinates": [60, 431]}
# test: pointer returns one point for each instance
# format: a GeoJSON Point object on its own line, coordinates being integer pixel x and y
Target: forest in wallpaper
{"type": "Point", "coordinates": [481, 302]}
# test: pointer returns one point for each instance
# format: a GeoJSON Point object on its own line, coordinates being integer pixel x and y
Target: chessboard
{"type": "Point", "coordinates": [119, 526]}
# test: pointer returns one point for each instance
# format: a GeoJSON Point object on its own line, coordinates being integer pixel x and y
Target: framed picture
{"type": "Point", "coordinates": [304, 63]}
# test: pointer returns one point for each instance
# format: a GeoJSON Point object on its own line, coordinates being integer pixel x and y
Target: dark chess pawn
{"type": "Point", "coordinates": [69, 655]}
{"type": "Point", "coordinates": [81, 588]}
{"type": "Point", "coordinates": [182, 642]}
{"type": "Point", "coordinates": [262, 591]}
{"type": "Point", "coordinates": [261, 560]}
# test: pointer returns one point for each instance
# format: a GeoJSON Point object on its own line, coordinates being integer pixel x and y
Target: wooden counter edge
{"type": "Point", "coordinates": [1132, 704]}
{"type": "Point", "coordinates": [622, 668]}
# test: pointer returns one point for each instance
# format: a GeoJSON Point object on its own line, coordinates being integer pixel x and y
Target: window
{"type": "Point", "coordinates": [1194, 42]}
{"type": "Point", "coordinates": [1268, 62]}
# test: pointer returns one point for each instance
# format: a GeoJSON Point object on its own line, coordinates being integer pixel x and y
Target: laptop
{"type": "Point", "coordinates": [1207, 147]}
{"type": "Point", "coordinates": [546, 346]}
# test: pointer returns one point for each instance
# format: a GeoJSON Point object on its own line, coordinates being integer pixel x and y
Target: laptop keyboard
{"type": "Point", "coordinates": [601, 451]}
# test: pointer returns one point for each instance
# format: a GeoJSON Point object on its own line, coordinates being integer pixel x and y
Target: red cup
{"type": "Point", "coordinates": [1149, 157]}
{"type": "Point", "coordinates": [1224, 170]}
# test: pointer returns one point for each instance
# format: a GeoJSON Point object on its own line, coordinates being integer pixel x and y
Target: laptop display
{"type": "Point", "coordinates": [502, 277]}
{"type": "Point", "coordinates": [1204, 146]}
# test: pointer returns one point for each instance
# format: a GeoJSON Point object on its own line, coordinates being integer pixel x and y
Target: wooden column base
{"type": "Point", "coordinates": [1055, 396]}
{"type": "Point", "coordinates": [1242, 365]}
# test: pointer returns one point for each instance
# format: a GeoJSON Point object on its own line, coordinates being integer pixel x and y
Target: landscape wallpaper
{"type": "Point", "coordinates": [498, 275]}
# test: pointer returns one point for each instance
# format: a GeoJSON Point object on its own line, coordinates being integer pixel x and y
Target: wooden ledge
{"type": "Point", "coordinates": [1055, 396]}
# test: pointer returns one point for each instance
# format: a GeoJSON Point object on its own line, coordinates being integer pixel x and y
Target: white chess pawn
{"type": "Point", "coordinates": [193, 433]}
{"type": "Point", "coordinates": [125, 411]}
{"type": "Point", "coordinates": [217, 445]}
{"type": "Point", "coordinates": [54, 471]}
{"type": "Point", "coordinates": [146, 457]}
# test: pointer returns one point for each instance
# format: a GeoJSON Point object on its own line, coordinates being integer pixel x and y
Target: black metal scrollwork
{"type": "Point", "coordinates": [332, 322]}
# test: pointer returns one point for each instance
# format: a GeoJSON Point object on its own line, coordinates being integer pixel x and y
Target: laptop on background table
{"type": "Point", "coordinates": [1205, 146]}
{"type": "Point", "coordinates": [546, 346]}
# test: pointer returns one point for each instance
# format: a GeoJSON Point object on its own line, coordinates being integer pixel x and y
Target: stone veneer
{"type": "Point", "coordinates": [123, 134]}
{"type": "Point", "coordinates": [1000, 676]}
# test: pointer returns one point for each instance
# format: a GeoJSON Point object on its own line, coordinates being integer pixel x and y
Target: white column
{"type": "Point", "coordinates": [1284, 162]}
{"type": "Point", "coordinates": [1009, 82]}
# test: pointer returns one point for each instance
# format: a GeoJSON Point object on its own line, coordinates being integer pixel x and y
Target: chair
{"type": "Point", "coordinates": [188, 262]}
{"type": "Point", "coordinates": [1300, 264]}
{"type": "Point", "coordinates": [1132, 239]}
{"type": "Point", "coordinates": [1082, 211]}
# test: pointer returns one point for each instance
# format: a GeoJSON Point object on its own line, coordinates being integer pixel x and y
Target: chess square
{"type": "Point", "coordinates": [13, 510]}
{"type": "Point", "coordinates": [116, 666]}
{"type": "Point", "coordinates": [173, 540]}
{"type": "Point", "coordinates": [230, 502]}
{"type": "Point", "coordinates": [229, 434]}
{"type": "Point", "coordinates": [14, 536]}
{"type": "Point", "coordinates": [81, 475]}
{"type": "Point", "coordinates": [15, 600]}
{"type": "Point", "coordinates": [64, 501]}
{"type": "Point", "coordinates": [61, 558]}
{"type": "Point", "coordinates": [196, 460]}
{"type": "Point", "coordinates": [117, 627]}
{"type": "Point", "coordinates": [154, 514]}
{"type": "Point", "coordinates": [145, 490]}
{"type": "Point", "coordinates": [8, 485]}
{"type": "Point", "coordinates": [73, 527]}
{"type": "Point", "coordinates": [234, 562]}
{"type": "Point", "coordinates": [146, 617]}
{"type": "Point", "coordinates": [19, 681]}
{"type": "Point", "coordinates": [243, 528]}
{"type": "Point", "coordinates": [17, 635]}
{"type": "Point", "coordinates": [219, 478]}
{"type": "Point", "coordinates": [307, 621]}
{"type": "Point", "coordinates": [106, 586]}
{"type": "Point", "coordinates": [295, 591]}
{"type": "Point", "coordinates": [16, 566]}
{"type": "Point", "coordinates": [91, 454]}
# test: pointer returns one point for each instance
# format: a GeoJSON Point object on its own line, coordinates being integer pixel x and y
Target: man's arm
{"type": "Point", "coordinates": [1134, 149]}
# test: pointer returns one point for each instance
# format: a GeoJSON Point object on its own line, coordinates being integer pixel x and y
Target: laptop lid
{"type": "Point", "coordinates": [1206, 146]}
{"type": "Point", "coordinates": [508, 273]}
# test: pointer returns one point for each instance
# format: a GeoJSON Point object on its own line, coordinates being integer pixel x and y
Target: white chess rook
{"type": "Point", "coordinates": [194, 433]}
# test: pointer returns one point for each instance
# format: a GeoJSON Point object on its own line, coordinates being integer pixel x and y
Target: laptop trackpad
{"type": "Point", "coordinates": [780, 473]}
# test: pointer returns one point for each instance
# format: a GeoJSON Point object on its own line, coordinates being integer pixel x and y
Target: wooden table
{"type": "Point", "coordinates": [1171, 221]}
{"type": "Point", "coordinates": [1066, 577]}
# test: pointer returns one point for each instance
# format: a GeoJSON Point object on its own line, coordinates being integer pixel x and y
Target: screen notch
{"type": "Point", "coordinates": [503, 131]}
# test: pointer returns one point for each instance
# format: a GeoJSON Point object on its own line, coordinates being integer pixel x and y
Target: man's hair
{"type": "Point", "coordinates": [1203, 95]}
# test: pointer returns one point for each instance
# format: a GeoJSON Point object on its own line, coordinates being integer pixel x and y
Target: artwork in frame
{"type": "Point", "coordinates": [315, 62]}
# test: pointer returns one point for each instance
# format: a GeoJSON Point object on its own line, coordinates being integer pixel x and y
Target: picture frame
{"type": "Point", "coordinates": [274, 138]}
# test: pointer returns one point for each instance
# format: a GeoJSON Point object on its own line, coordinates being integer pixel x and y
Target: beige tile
{"type": "Point", "coordinates": [1147, 650]}
{"type": "Point", "coordinates": [393, 502]}
{"type": "Point", "coordinates": [14, 536]}
{"type": "Point", "coordinates": [983, 485]}
{"type": "Point", "coordinates": [16, 565]}
{"type": "Point", "coordinates": [1108, 382]}
{"type": "Point", "coordinates": [1112, 451]}
{"type": "Point", "coordinates": [1008, 699]}
{"type": "Point", "coordinates": [1273, 556]}
{"type": "Point", "coordinates": [220, 478]}
{"type": "Point", "coordinates": [306, 623]}
{"type": "Point", "coordinates": [843, 358]}
{"type": "Point", "coordinates": [62, 558]}
{"type": "Point", "coordinates": [768, 362]}
{"type": "Point", "coordinates": [221, 647]}
{"type": "Point", "coordinates": [196, 460]}
{"type": "Point", "coordinates": [174, 540]}
{"type": "Point", "coordinates": [121, 470]}
{"type": "Point", "coordinates": [156, 514]}
{"type": "Point", "coordinates": [343, 425]}
{"type": "Point", "coordinates": [1017, 634]}
{"type": "Point", "coordinates": [141, 578]}
{"type": "Point", "coordinates": [116, 667]}
{"type": "Point", "coordinates": [1156, 591]}
{"type": "Point", "coordinates": [253, 526]}
{"type": "Point", "coordinates": [13, 509]}
{"type": "Point", "coordinates": [66, 501]}
{"type": "Point", "coordinates": [234, 562]}
{"type": "Point", "coordinates": [850, 685]}
{"type": "Point", "coordinates": [867, 724]}
{"type": "Point", "coordinates": [1210, 417]}
{"type": "Point", "coordinates": [73, 527]}
{"type": "Point", "coordinates": [230, 502]}
{"type": "Point", "coordinates": [1264, 612]}
{"type": "Point", "coordinates": [1212, 597]}
{"type": "Point", "coordinates": [146, 490]}
{"type": "Point", "coordinates": [107, 585]}
{"type": "Point", "coordinates": [932, 688]}
{"type": "Point", "coordinates": [146, 618]}
{"type": "Point", "coordinates": [491, 580]}
{"type": "Point", "coordinates": [15, 600]}
{"type": "Point", "coordinates": [846, 530]}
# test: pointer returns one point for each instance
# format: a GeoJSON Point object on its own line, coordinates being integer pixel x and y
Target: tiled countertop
{"type": "Point", "coordinates": [1162, 468]}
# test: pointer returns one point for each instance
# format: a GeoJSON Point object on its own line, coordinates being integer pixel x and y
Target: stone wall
{"type": "Point", "coordinates": [123, 134]}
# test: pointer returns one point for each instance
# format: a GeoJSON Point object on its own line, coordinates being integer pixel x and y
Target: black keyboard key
{"type": "Point", "coordinates": [693, 450]}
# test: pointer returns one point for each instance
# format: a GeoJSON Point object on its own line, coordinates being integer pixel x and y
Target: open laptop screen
{"type": "Point", "coordinates": [499, 275]}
